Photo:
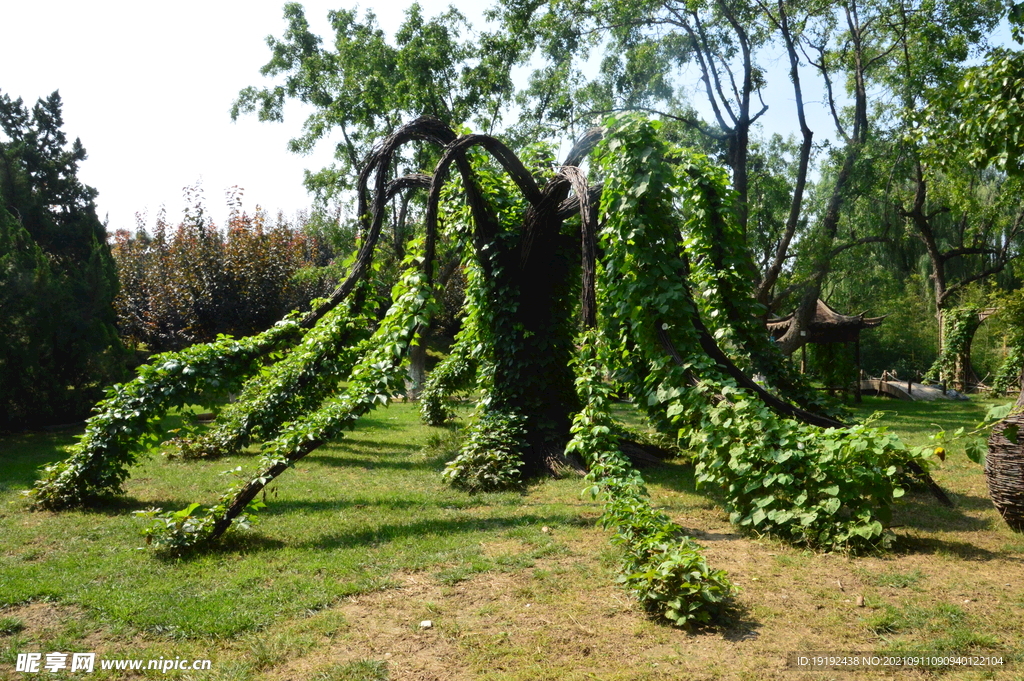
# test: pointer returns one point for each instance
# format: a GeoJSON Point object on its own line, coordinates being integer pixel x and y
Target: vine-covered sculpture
{"type": "Point", "coordinates": [642, 282]}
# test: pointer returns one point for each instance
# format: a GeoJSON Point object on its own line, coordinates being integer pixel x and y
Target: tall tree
{"type": "Point", "coordinates": [652, 49]}
{"type": "Point", "coordinates": [57, 280]}
{"type": "Point", "coordinates": [364, 85]}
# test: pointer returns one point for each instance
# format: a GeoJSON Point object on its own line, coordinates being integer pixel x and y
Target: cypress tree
{"type": "Point", "coordinates": [57, 277]}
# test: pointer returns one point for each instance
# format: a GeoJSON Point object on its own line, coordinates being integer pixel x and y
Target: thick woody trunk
{"type": "Point", "coordinates": [417, 369]}
{"type": "Point", "coordinates": [533, 375]}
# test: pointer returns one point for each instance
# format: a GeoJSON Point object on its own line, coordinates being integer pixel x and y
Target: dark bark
{"type": "Point", "coordinates": [532, 375]}
{"type": "Point", "coordinates": [796, 336]}
{"type": "Point", "coordinates": [771, 274]}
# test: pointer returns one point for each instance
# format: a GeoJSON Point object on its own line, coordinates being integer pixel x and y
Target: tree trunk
{"type": "Point", "coordinates": [417, 368]}
{"type": "Point", "coordinates": [534, 376]}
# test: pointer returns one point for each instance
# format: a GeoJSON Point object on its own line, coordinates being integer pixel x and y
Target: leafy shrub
{"type": "Point", "coordinates": [490, 460]}
{"type": "Point", "coordinates": [188, 283]}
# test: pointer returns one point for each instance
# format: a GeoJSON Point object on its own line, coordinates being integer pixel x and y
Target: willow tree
{"type": "Point", "coordinates": [573, 289]}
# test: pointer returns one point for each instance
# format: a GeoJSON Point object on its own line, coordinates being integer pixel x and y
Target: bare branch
{"type": "Point", "coordinates": [859, 242]}
{"type": "Point", "coordinates": [379, 161]}
{"type": "Point", "coordinates": [823, 68]}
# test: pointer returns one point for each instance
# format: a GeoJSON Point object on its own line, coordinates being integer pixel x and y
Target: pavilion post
{"type": "Point", "coordinates": [856, 361]}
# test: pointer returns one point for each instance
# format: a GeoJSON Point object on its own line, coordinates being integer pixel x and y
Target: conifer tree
{"type": "Point", "coordinates": [57, 277]}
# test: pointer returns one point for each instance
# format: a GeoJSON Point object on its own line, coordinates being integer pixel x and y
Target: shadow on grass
{"type": "Point", "coordinates": [244, 543]}
{"type": "Point", "coordinates": [704, 537]}
{"type": "Point", "coordinates": [738, 623]}
{"type": "Point", "coordinates": [22, 456]}
{"type": "Point", "coordinates": [388, 533]}
{"type": "Point", "coordinates": [678, 477]}
{"type": "Point", "coordinates": [233, 543]}
{"type": "Point", "coordinates": [374, 447]}
{"type": "Point", "coordinates": [287, 506]}
{"type": "Point", "coordinates": [931, 545]}
{"type": "Point", "coordinates": [972, 502]}
{"type": "Point", "coordinates": [117, 506]}
{"type": "Point", "coordinates": [921, 511]}
{"type": "Point", "coordinates": [408, 464]}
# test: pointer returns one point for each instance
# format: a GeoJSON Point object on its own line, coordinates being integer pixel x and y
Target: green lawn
{"type": "Point", "coordinates": [361, 542]}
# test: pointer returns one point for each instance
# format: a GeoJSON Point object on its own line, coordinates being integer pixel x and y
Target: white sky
{"type": "Point", "coordinates": [148, 86]}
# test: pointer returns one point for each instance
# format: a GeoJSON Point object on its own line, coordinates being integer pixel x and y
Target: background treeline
{"type": "Point", "coordinates": [189, 282]}
{"type": "Point", "coordinates": [58, 341]}
{"type": "Point", "coordinates": [904, 201]}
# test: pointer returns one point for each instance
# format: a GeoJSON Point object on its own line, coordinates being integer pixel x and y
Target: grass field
{"type": "Point", "coordinates": [361, 543]}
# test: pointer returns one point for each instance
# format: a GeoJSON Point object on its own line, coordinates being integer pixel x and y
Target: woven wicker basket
{"type": "Point", "coordinates": [1004, 469]}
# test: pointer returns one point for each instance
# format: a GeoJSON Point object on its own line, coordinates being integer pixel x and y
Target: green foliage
{"type": "Point", "coordinates": [376, 378]}
{"type": "Point", "coordinates": [823, 488]}
{"type": "Point", "coordinates": [128, 421]}
{"type": "Point", "coordinates": [364, 84]}
{"type": "Point", "coordinates": [179, 530]}
{"type": "Point", "coordinates": [975, 440]}
{"type": "Point", "coordinates": [299, 382]}
{"type": "Point", "coordinates": [1010, 371]}
{"type": "Point", "coordinates": [1011, 317]}
{"type": "Point", "coordinates": [986, 108]}
{"type": "Point", "coordinates": [455, 372]}
{"type": "Point", "coordinates": [57, 279]}
{"type": "Point", "coordinates": [907, 341]}
{"type": "Point", "coordinates": [826, 488]}
{"type": "Point", "coordinates": [491, 459]}
{"type": "Point", "coordinates": [832, 364]}
{"type": "Point", "coordinates": [958, 329]}
{"type": "Point", "coordinates": [664, 569]}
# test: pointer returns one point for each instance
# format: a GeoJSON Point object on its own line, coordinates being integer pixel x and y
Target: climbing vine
{"type": "Point", "coordinates": [824, 487]}
{"type": "Point", "coordinates": [455, 372]}
{"type": "Point", "coordinates": [1011, 311]}
{"type": "Point", "coordinates": [129, 420]}
{"type": "Point", "coordinates": [300, 381]}
{"type": "Point", "coordinates": [958, 329]}
{"type": "Point", "coordinates": [722, 280]}
{"type": "Point", "coordinates": [664, 568]}
{"type": "Point", "coordinates": [664, 293]}
{"type": "Point", "coordinates": [375, 379]}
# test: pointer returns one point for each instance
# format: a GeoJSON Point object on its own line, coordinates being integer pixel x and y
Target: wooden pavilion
{"type": "Point", "coordinates": [828, 326]}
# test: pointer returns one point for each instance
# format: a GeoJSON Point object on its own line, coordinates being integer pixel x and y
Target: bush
{"type": "Point", "coordinates": [189, 283]}
{"type": "Point", "coordinates": [57, 278]}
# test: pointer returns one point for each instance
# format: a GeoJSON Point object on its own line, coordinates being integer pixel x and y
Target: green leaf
{"type": "Point", "coordinates": [1010, 432]}
{"type": "Point", "coordinates": [975, 451]}
{"type": "Point", "coordinates": [998, 413]}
